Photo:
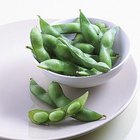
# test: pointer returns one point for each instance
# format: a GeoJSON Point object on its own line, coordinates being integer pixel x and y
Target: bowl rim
{"type": "Point", "coordinates": [91, 76]}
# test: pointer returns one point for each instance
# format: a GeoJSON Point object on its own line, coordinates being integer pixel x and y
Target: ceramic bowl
{"type": "Point", "coordinates": [121, 46]}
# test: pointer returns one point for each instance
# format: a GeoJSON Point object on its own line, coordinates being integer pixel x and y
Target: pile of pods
{"type": "Point", "coordinates": [89, 52]}
{"type": "Point", "coordinates": [63, 106]}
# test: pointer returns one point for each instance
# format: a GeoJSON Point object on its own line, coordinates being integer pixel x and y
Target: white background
{"type": "Point", "coordinates": [125, 13]}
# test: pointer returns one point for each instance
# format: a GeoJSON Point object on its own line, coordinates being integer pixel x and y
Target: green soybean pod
{"type": "Point", "coordinates": [62, 52]}
{"type": "Point", "coordinates": [46, 28]}
{"type": "Point", "coordinates": [40, 93]}
{"type": "Point", "coordinates": [37, 44]}
{"type": "Point", "coordinates": [104, 56]}
{"type": "Point", "coordinates": [88, 31]}
{"type": "Point", "coordinates": [106, 46]}
{"type": "Point", "coordinates": [109, 36]}
{"type": "Point", "coordinates": [41, 116]}
{"type": "Point", "coordinates": [95, 27]}
{"type": "Point", "coordinates": [55, 93]}
{"type": "Point", "coordinates": [49, 43]}
{"type": "Point", "coordinates": [58, 97]}
{"type": "Point", "coordinates": [67, 28]}
{"type": "Point", "coordinates": [61, 67]}
{"type": "Point", "coordinates": [88, 115]}
{"type": "Point", "coordinates": [84, 47]}
{"type": "Point", "coordinates": [83, 59]}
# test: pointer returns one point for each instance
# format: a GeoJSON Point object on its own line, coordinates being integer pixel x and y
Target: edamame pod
{"type": "Point", "coordinates": [38, 116]}
{"type": "Point", "coordinates": [40, 93]}
{"type": "Point", "coordinates": [46, 28]}
{"type": "Point", "coordinates": [37, 45]}
{"type": "Point", "coordinates": [61, 67]}
{"type": "Point", "coordinates": [59, 99]}
{"type": "Point", "coordinates": [84, 47]}
{"type": "Point", "coordinates": [109, 36]}
{"type": "Point", "coordinates": [104, 56]}
{"type": "Point", "coordinates": [106, 46]}
{"type": "Point", "coordinates": [49, 43]}
{"type": "Point", "coordinates": [83, 59]}
{"type": "Point", "coordinates": [67, 28]}
{"type": "Point", "coordinates": [88, 31]}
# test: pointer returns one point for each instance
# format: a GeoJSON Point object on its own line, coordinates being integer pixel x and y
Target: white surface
{"type": "Point", "coordinates": [124, 13]}
{"type": "Point", "coordinates": [17, 66]}
{"type": "Point", "coordinates": [121, 46]}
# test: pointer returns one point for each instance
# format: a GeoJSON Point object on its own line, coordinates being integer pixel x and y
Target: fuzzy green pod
{"type": "Point", "coordinates": [46, 28]}
{"type": "Point", "coordinates": [37, 44]}
{"type": "Point", "coordinates": [83, 59]}
{"type": "Point", "coordinates": [38, 116]}
{"type": "Point", "coordinates": [67, 28]}
{"type": "Point", "coordinates": [40, 93]}
{"type": "Point", "coordinates": [60, 99]}
{"type": "Point", "coordinates": [61, 67]}
{"type": "Point", "coordinates": [107, 42]}
{"type": "Point", "coordinates": [84, 47]}
{"type": "Point", "coordinates": [88, 31]}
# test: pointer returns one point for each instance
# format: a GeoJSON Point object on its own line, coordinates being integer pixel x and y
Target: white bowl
{"type": "Point", "coordinates": [121, 46]}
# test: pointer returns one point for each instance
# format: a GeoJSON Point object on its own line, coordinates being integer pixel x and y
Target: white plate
{"type": "Point", "coordinates": [16, 68]}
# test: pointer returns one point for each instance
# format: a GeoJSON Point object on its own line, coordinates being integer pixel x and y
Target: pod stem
{"type": "Point", "coordinates": [104, 116]}
{"type": "Point", "coordinates": [30, 48]}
